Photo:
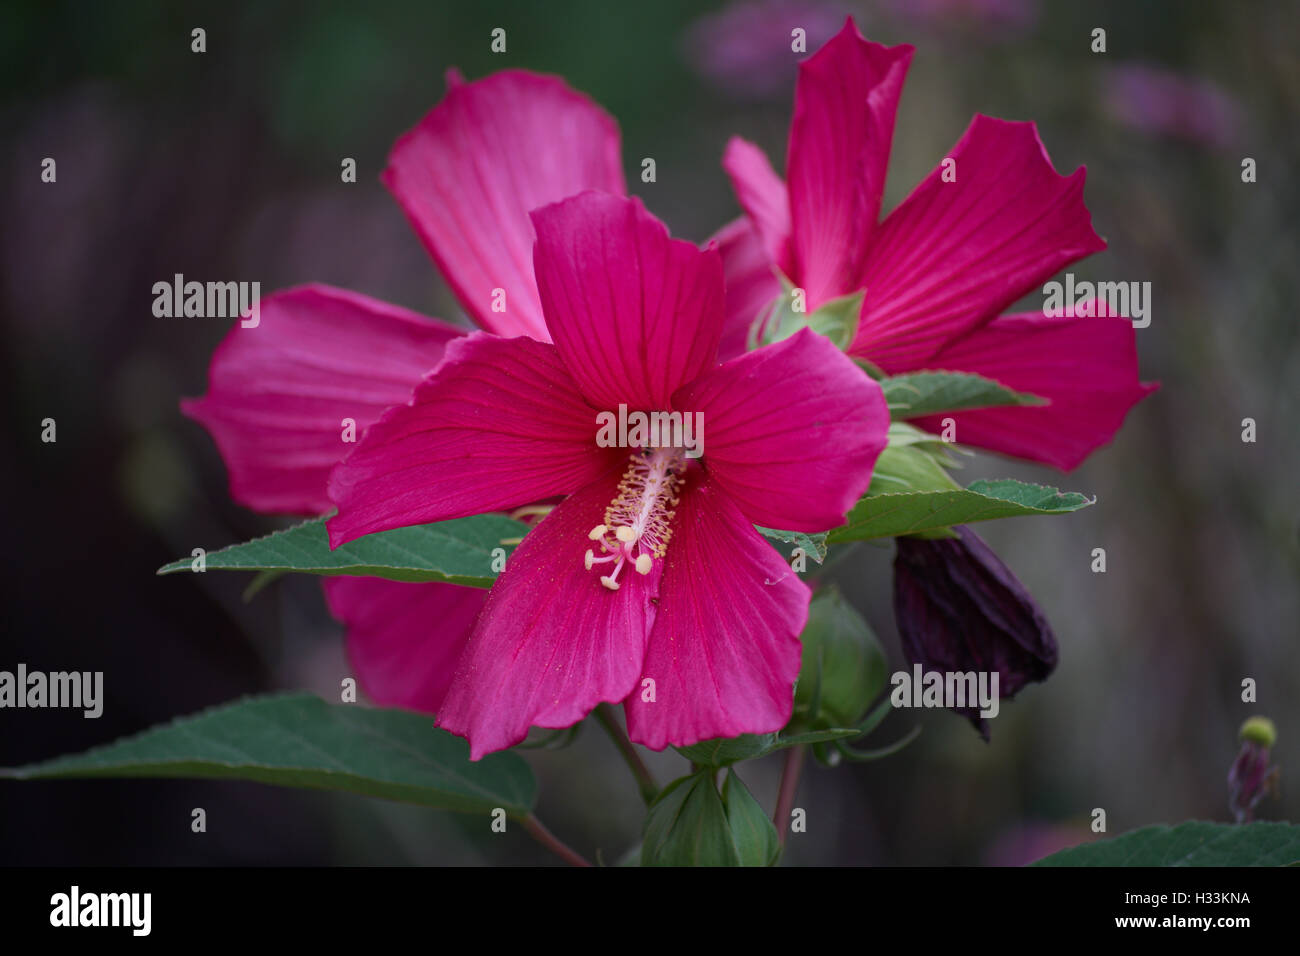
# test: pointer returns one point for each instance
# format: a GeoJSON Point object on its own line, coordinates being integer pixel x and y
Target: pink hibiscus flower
{"type": "Point", "coordinates": [647, 584]}
{"type": "Point", "coordinates": [467, 177]}
{"type": "Point", "coordinates": [940, 268]}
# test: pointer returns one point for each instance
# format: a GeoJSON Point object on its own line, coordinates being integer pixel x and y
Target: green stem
{"type": "Point", "coordinates": [645, 781]}
{"type": "Point", "coordinates": [794, 759]}
{"type": "Point", "coordinates": [553, 843]}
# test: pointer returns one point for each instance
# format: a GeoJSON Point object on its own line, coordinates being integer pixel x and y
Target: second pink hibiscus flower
{"type": "Point", "coordinates": [650, 569]}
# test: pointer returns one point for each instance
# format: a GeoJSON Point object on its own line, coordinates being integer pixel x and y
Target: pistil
{"type": "Point", "coordinates": [637, 526]}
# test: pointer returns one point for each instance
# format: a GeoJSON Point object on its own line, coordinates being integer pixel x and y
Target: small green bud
{"type": "Point", "coordinates": [1259, 730]}
{"type": "Point", "coordinates": [843, 668]}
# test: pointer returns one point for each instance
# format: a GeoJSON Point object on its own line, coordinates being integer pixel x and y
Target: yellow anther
{"type": "Point", "coordinates": [644, 563]}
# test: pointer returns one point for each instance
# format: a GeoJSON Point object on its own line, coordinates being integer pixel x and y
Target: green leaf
{"type": "Point", "coordinates": [814, 545]}
{"type": "Point", "coordinates": [459, 552]}
{"type": "Point", "coordinates": [929, 392]}
{"type": "Point", "coordinates": [901, 433]}
{"type": "Point", "coordinates": [753, 834]}
{"type": "Point", "coordinates": [1195, 843]}
{"type": "Point", "coordinates": [843, 666]}
{"type": "Point", "coordinates": [836, 319]}
{"type": "Point", "coordinates": [722, 751]}
{"type": "Point", "coordinates": [813, 737]}
{"type": "Point", "coordinates": [879, 516]}
{"type": "Point", "coordinates": [687, 825]}
{"type": "Point", "coordinates": [902, 468]}
{"type": "Point", "coordinates": [298, 740]}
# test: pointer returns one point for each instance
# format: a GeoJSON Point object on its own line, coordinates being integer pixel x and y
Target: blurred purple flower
{"type": "Point", "coordinates": [987, 16]}
{"type": "Point", "coordinates": [745, 48]}
{"type": "Point", "coordinates": [1166, 103]}
{"type": "Point", "coordinates": [1027, 842]}
{"type": "Point", "coordinates": [1251, 776]}
{"type": "Point", "coordinates": [959, 608]}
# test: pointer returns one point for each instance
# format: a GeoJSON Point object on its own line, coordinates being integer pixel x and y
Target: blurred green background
{"type": "Point", "coordinates": [226, 164]}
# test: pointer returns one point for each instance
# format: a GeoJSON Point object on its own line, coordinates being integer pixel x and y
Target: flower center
{"type": "Point", "coordinates": [637, 525]}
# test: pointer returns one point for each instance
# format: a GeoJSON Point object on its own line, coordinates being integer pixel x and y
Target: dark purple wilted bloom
{"type": "Point", "coordinates": [959, 609]}
{"type": "Point", "coordinates": [1251, 776]}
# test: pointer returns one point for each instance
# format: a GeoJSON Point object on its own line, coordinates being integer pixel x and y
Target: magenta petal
{"type": "Point", "coordinates": [552, 641]}
{"type": "Point", "coordinates": [724, 652]}
{"type": "Point", "coordinates": [751, 284]}
{"type": "Point", "coordinates": [845, 102]}
{"type": "Point", "coordinates": [499, 424]}
{"type": "Point", "coordinates": [955, 254]}
{"type": "Point", "coordinates": [1087, 367]}
{"type": "Point", "coordinates": [633, 312]}
{"type": "Point", "coordinates": [791, 431]}
{"type": "Point", "coordinates": [280, 393]}
{"type": "Point", "coordinates": [762, 195]}
{"type": "Point", "coordinates": [472, 170]}
{"type": "Point", "coordinates": [404, 639]}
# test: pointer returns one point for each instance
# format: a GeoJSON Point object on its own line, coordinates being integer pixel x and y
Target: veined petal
{"type": "Point", "coordinates": [751, 284]}
{"type": "Point", "coordinates": [281, 393]}
{"type": "Point", "coordinates": [404, 639]}
{"type": "Point", "coordinates": [472, 170]}
{"type": "Point", "coordinates": [498, 424]}
{"type": "Point", "coordinates": [955, 254]}
{"type": "Point", "coordinates": [1086, 367]}
{"type": "Point", "coordinates": [762, 195]}
{"type": "Point", "coordinates": [552, 641]}
{"type": "Point", "coordinates": [633, 312]}
{"type": "Point", "coordinates": [845, 102]}
{"type": "Point", "coordinates": [724, 652]}
{"type": "Point", "coordinates": [791, 431]}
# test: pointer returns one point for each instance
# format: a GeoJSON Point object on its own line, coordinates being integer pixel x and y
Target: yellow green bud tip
{"type": "Point", "coordinates": [1259, 730]}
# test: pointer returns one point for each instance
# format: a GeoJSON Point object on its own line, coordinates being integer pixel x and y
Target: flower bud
{"type": "Point", "coordinates": [1250, 776]}
{"type": "Point", "coordinates": [960, 609]}
{"type": "Point", "coordinates": [843, 667]}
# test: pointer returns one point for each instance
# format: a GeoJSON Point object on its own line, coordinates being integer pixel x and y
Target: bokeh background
{"type": "Point", "coordinates": [226, 165]}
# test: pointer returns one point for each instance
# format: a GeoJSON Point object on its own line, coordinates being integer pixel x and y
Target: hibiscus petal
{"type": "Point", "coordinates": [552, 641]}
{"type": "Point", "coordinates": [751, 284]}
{"type": "Point", "coordinates": [497, 425]}
{"type": "Point", "coordinates": [279, 392]}
{"type": "Point", "coordinates": [724, 652]}
{"type": "Point", "coordinates": [1087, 367]}
{"type": "Point", "coordinates": [762, 195]}
{"type": "Point", "coordinates": [955, 254]}
{"type": "Point", "coordinates": [845, 102]}
{"type": "Point", "coordinates": [633, 312]}
{"type": "Point", "coordinates": [472, 170]}
{"type": "Point", "coordinates": [791, 431]}
{"type": "Point", "coordinates": [404, 639]}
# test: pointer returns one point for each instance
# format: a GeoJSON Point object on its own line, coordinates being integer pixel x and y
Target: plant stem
{"type": "Point", "coordinates": [645, 781]}
{"type": "Point", "coordinates": [553, 843]}
{"type": "Point", "coordinates": [794, 758]}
